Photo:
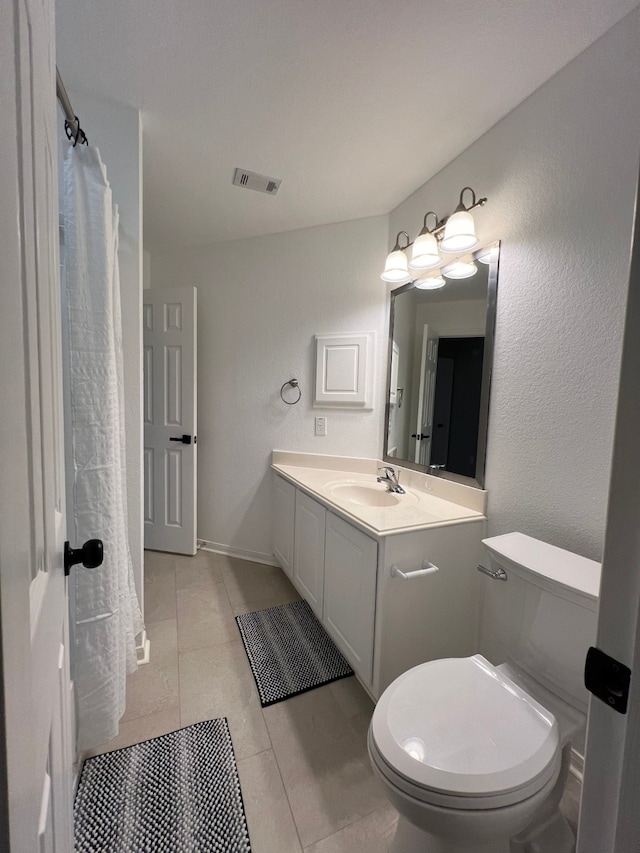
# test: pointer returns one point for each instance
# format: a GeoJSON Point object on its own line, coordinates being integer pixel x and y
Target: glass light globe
{"type": "Point", "coordinates": [425, 253]}
{"type": "Point", "coordinates": [460, 269]}
{"type": "Point", "coordinates": [432, 282]}
{"type": "Point", "coordinates": [396, 269]}
{"type": "Point", "coordinates": [459, 233]}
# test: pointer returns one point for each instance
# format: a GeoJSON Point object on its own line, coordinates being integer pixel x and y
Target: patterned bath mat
{"type": "Point", "coordinates": [289, 651]}
{"type": "Point", "coordinates": [178, 793]}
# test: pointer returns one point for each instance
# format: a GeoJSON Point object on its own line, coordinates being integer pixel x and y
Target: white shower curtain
{"type": "Point", "coordinates": [105, 611]}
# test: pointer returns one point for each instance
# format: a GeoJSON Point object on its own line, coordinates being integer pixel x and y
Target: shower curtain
{"type": "Point", "coordinates": [105, 611]}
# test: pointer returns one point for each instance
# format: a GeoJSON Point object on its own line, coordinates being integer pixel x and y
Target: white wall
{"type": "Point", "coordinates": [453, 319]}
{"type": "Point", "coordinates": [260, 302]}
{"type": "Point", "coordinates": [560, 174]}
{"type": "Point", "coordinates": [116, 130]}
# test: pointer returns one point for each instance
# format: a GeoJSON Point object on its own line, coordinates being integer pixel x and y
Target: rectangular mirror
{"type": "Point", "coordinates": [440, 359]}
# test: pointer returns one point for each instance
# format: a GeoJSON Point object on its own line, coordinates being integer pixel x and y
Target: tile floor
{"type": "Point", "coordinates": [303, 764]}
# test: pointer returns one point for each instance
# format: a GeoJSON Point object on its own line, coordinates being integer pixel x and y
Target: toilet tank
{"type": "Point", "coordinates": [544, 617]}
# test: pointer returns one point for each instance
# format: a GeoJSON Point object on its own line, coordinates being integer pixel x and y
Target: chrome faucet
{"type": "Point", "coordinates": [391, 479]}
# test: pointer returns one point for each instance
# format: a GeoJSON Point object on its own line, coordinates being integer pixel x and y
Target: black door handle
{"type": "Point", "coordinates": [90, 555]}
{"type": "Point", "coordinates": [418, 435]}
{"type": "Point", "coordinates": [184, 439]}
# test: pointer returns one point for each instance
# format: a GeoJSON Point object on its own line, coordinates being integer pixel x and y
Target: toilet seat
{"type": "Point", "coordinates": [461, 734]}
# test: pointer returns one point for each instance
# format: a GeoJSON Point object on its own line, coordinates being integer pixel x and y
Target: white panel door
{"type": "Point", "coordinates": [308, 559]}
{"type": "Point", "coordinates": [284, 511]}
{"type": "Point", "coordinates": [609, 808]}
{"type": "Point", "coordinates": [350, 572]}
{"type": "Point", "coordinates": [426, 393]}
{"type": "Point", "coordinates": [169, 413]}
{"type": "Point", "coordinates": [35, 742]}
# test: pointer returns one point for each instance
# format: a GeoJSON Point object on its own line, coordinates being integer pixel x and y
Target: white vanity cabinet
{"type": "Point", "coordinates": [382, 623]}
{"type": "Point", "coordinates": [308, 550]}
{"type": "Point", "coordinates": [284, 513]}
{"type": "Point", "coordinates": [350, 570]}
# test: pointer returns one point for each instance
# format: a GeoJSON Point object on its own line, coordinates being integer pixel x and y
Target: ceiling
{"type": "Point", "coordinates": [353, 104]}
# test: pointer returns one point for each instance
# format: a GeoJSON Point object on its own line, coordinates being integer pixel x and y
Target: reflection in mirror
{"type": "Point", "coordinates": [440, 356]}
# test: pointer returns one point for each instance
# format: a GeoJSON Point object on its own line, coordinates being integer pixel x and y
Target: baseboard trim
{"type": "Point", "coordinates": [143, 647]}
{"type": "Point", "coordinates": [240, 553]}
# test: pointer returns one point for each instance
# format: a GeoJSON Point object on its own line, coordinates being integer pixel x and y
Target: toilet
{"type": "Point", "coordinates": [474, 752]}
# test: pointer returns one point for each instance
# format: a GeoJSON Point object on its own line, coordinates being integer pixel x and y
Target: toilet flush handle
{"type": "Point", "coordinates": [497, 575]}
{"type": "Point", "coordinates": [427, 569]}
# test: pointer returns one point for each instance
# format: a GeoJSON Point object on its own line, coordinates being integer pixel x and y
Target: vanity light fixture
{"type": "Point", "coordinates": [425, 254]}
{"type": "Point", "coordinates": [431, 282]}
{"type": "Point", "coordinates": [460, 230]}
{"type": "Point", "coordinates": [396, 269]}
{"type": "Point", "coordinates": [460, 269]}
{"type": "Point", "coordinates": [455, 234]}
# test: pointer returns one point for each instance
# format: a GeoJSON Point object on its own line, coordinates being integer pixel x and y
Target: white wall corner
{"type": "Point", "coordinates": [146, 270]}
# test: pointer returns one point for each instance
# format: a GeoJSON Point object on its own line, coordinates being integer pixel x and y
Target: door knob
{"type": "Point", "coordinates": [184, 439]}
{"type": "Point", "coordinates": [90, 555]}
{"type": "Point", "coordinates": [418, 435]}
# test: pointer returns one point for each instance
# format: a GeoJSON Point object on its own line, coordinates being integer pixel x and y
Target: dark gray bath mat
{"type": "Point", "coordinates": [289, 651]}
{"type": "Point", "coordinates": [178, 793]}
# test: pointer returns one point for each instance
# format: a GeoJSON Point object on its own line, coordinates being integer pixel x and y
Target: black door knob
{"type": "Point", "coordinates": [183, 439]}
{"type": "Point", "coordinates": [90, 555]}
{"type": "Point", "coordinates": [418, 436]}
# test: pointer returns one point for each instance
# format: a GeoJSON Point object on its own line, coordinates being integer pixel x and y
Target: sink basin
{"type": "Point", "coordinates": [368, 494]}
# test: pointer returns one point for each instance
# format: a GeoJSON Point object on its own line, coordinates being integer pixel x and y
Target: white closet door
{"type": "Point", "coordinates": [170, 450]}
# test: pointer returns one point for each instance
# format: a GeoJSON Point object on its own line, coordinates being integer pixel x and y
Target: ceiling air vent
{"type": "Point", "coordinates": [254, 181]}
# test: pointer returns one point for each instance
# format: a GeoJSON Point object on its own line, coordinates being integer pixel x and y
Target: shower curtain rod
{"type": "Point", "coordinates": [71, 124]}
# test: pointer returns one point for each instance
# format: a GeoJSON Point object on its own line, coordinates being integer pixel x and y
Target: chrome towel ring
{"type": "Point", "coordinates": [294, 384]}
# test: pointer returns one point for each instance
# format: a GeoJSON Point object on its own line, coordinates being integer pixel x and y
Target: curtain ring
{"type": "Point", "coordinates": [294, 384]}
{"type": "Point", "coordinates": [78, 136]}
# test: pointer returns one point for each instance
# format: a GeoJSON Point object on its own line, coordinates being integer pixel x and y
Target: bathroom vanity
{"type": "Point", "coordinates": [392, 577]}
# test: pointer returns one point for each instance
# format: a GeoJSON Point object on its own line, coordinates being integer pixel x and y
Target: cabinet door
{"type": "Point", "coordinates": [284, 508]}
{"type": "Point", "coordinates": [308, 561]}
{"type": "Point", "coordinates": [350, 592]}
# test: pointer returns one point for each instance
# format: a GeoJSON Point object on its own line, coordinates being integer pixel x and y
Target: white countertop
{"type": "Point", "coordinates": [428, 502]}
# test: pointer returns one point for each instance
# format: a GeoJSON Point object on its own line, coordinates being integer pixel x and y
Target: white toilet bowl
{"type": "Point", "coordinates": [471, 761]}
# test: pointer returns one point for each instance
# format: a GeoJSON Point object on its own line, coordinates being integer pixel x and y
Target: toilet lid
{"type": "Point", "coordinates": [462, 728]}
